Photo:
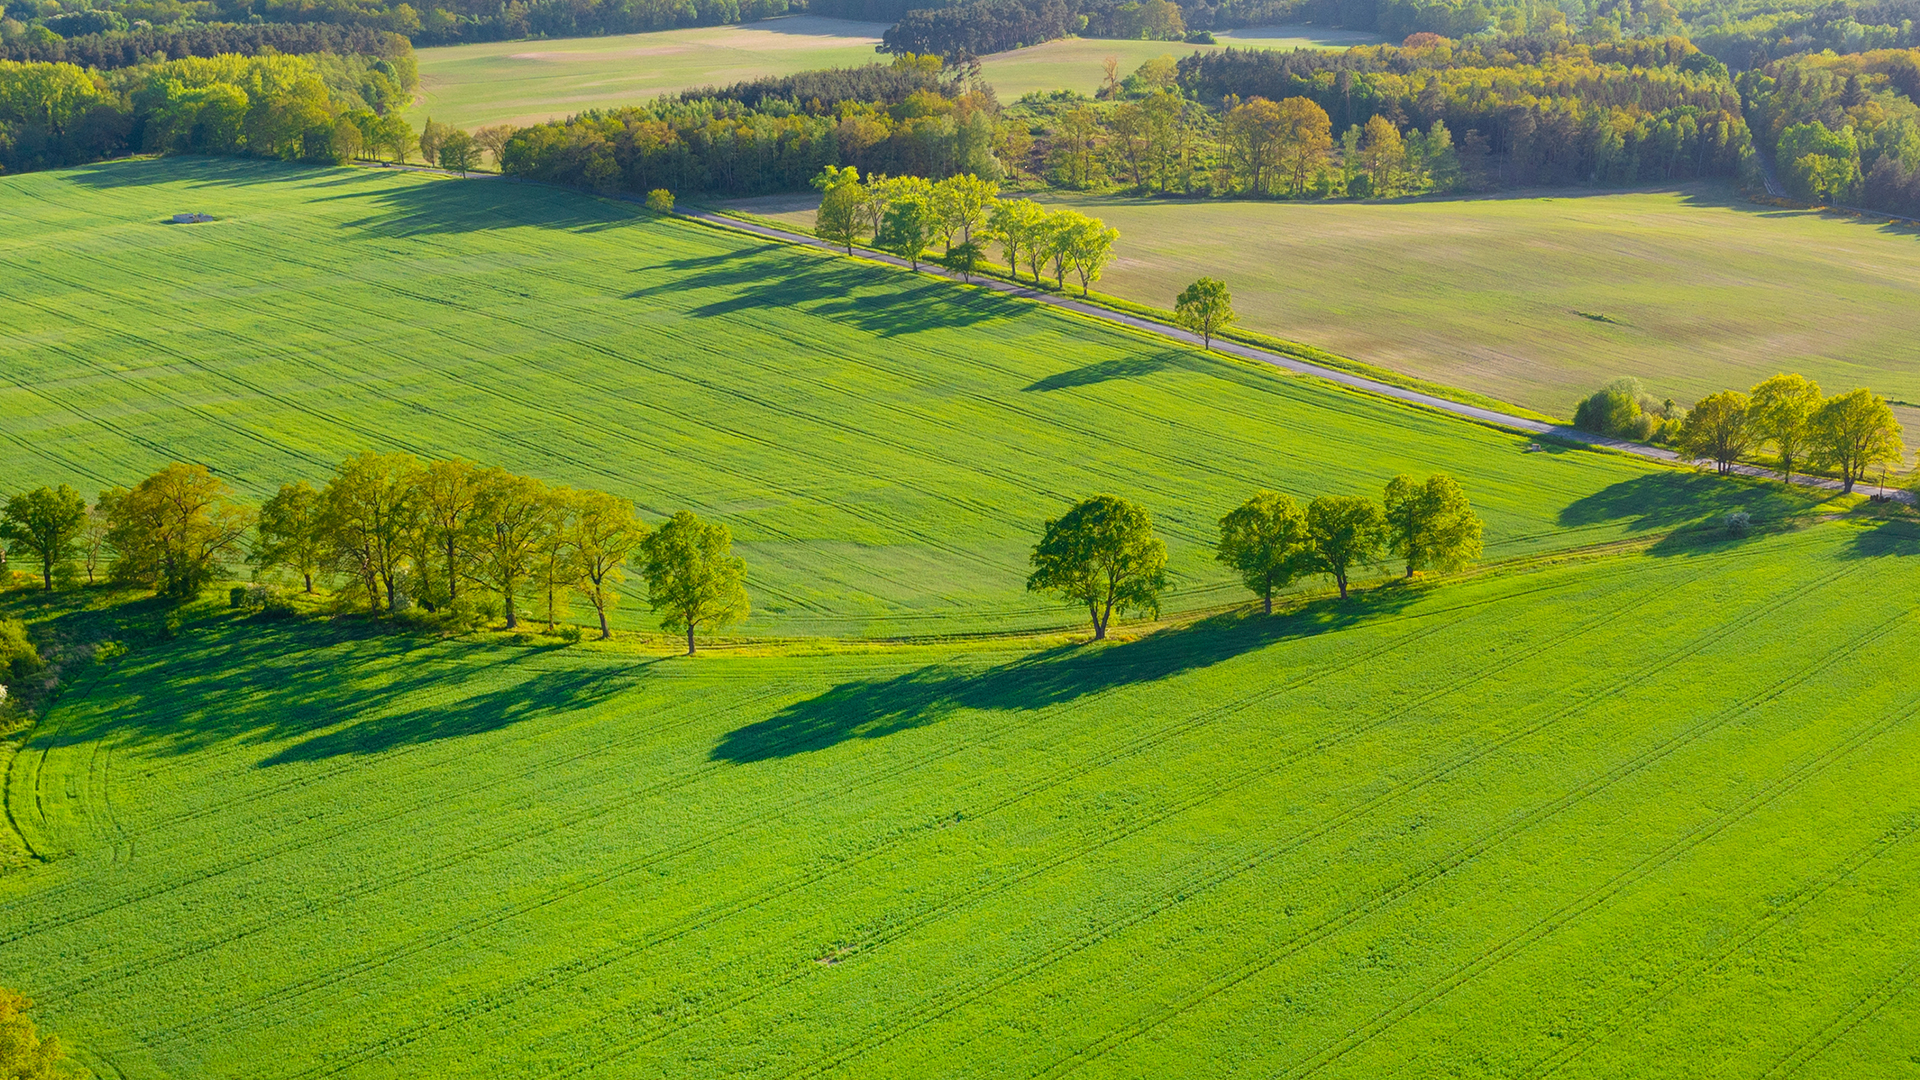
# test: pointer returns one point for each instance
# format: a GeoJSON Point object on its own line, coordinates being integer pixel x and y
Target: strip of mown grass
{"type": "Point", "coordinates": [1620, 816]}
{"type": "Point", "coordinates": [885, 446]}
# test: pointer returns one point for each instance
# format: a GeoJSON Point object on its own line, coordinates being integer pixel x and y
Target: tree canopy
{"type": "Point", "coordinates": [1204, 307]}
{"type": "Point", "coordinates": [1265, 541]}
{"type": "Point", "coordinates": [1344, 533]}
{"type": "Point", "coordinates": [1430, 524]}
{"type": "Point", "coordinates": [47, 522]}
{"type": "Point", "coordinates": [693, 578]}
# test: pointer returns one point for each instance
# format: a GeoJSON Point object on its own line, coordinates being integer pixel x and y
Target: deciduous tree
{"type": "Point", "coordinates": [604, 533]}
{"type": "Point", "coordinates": [1090, 248]}
{"type": "Point", "coordinates": [175, 530]}
{"type": "Point", "coordinates": [962, 203]}
{"type": "Point", "coordinates": [1780, 412]}
{"type": "Point", "coordinates": [1344, 532]}
{"type": "Point", "coordinates": [458, 152]}
{"type": "Point", "coordinates": [693, 578]}
{"type": "Point", "coordinates": [1717, 429]}
{"type": "Point", "coordinates": [25, 1054]}
{"type": "Point", "coordinates": [1101, 553]}
{"type": "Point", "coordinates": [1854, 432]}
{"type": "Point", "coordinates": [511, 515]}
{"type": "Point", "coordinates": [1430, 525]}
{"type": "Point", "coordinates": [1016, 225]}
{"type": "Point", "coordinates": [292, 534]}
{"type": "Point", "coordinates": [1305, 138]}
{"type": "Point", "coordinates": [1265, 540]}
{"type": "Point", "coordinates": [908, 228]}
{"type": "Point", "coordinates": [1204, 307]}
{"type": "Point", "coordinates": [841, 202]}
{"type": "Point", "coordinates": [47, 522]}
{"type": "Point", "coordinates": [368, 510]}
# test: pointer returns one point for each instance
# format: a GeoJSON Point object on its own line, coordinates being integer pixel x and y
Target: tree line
{"type": "Point", "coordinates": [133, 46]}
{"type": "Point", "coordinates": [908, 215]}
{"type": "Point", "coordinates": [1102, 554]}
{"type": "Point", "coordinates": [1846, 435]}
{"type": "Point", "coordinates": [322, 108]}
{"type": "Point", "coordinates": [389, 534]}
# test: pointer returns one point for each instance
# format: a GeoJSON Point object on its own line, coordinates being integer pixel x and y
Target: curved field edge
{"type": "Point", "coordinates": [884, 446]}
{"type": "Point", "coordinates": [1600, 815]}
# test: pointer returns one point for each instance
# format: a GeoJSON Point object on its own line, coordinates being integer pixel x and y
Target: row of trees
{"type": "Point", "coordinates": [907, 215]}
{"type": "Point", "coordinates": [1849, 434]}
{"type": "Point", "coordinates": [1102, 554]}
{"type": "Point", "coordinates": [392, 533]}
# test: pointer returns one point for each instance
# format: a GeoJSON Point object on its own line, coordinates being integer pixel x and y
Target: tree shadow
{"type": "Point", "coordinates": [333, 687]}
{"type": "Point", "coordinates": [1669, 499]}
{"type": "Point", "coordinates": [195, 171]}
{"type": "Point", "coordinates": [878, 299]}
{"type": "Point", "coordinates": [876, 708]}
{"type": "Point", "coordinates": [1888, 539]}
{"type": "Point", "coordinates": [1132, 367]}
{"type": "Point", "coordinates": [444, 205]}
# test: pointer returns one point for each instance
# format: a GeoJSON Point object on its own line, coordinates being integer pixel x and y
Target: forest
{"type": "Point", "coordinates": [1842, 129]}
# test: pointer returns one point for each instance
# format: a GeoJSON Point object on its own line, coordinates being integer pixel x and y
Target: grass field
{"type": "Point", "coordinates": [525, 82]}
{"type": "Point", "coordinates": [1613, 817]}
{"type": "Point", "coordinates": [885, 446]}
{"type": "Point", "coordinates": [1539, 300]}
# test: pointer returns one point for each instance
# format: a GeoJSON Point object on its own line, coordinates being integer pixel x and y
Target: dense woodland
{"type": "Point", "coordinates": [1844, 129]}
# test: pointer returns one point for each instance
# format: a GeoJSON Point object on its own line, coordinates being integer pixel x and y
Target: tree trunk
{"type": "Point", "coordinates": [46, 572]}
{"type": "Point", "coordinates": [1341, 580]}
{"type": "Point", "coordinates": [1268, 597]}
{"type": "Point", "coordinates": [506, 594]}
{"type": "Point", "coordinates": [689, 637]}
{"type": "Point", "coordinates": [308, 576]}
{"type": "Point", "coordinates": [605, 631]}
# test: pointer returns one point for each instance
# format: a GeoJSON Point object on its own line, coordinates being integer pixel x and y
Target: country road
{"type": "Point", "coordinates": [1559, 432]}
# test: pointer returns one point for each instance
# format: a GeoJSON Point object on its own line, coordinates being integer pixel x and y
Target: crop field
{"type": "Point", "coordinates": [1077, 63]}
{"type": "Point", "coordinates": [885, 446]}
{"type": "Point", "coordinates": [1540, 300]}
{"type": "Point", "coordinates": [1615, 816]}
{"type": "Point", "coordinates": [525, 82]}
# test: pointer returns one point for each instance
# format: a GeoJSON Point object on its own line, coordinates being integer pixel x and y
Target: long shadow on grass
{"type": "Point", "coordinates": [876, 708]}
{"type": "Point", "coordinates": [1888, 539]}
{"type": "Point", "coordinates": [876, 299]}
{"type": "Point", "coordinates": [320, 689]}
{"type": "Point", "coordinates": [1132, 367]}
{"type": "Point", "coordinates": [1667, 499]}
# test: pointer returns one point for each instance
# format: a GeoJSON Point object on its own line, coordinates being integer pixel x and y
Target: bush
{"type": "Point", "coordinates": [660, 201]}
{"type": "Point", "coordinates": [472, 612]}
{"type": "Point", "coordinates": [1738, 522]}
{"type": "Point", "coordinates": [1201, 37]}
{"type": "Point", "coordinates": [237, 596]}
{"type": "Point", "coordinates": [19, 660]}
{"type": "Point", "coordinates": [570, 634]}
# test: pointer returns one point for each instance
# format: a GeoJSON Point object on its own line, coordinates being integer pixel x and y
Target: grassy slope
{"type": "Point", "coordinates": [525, 82]}
{"type": "Point", "coordinates": [1611, 817]}
{"type": "Point", "coordinates": [885, 446]}
{"type": "Point", "coordinates": [1704, 291]}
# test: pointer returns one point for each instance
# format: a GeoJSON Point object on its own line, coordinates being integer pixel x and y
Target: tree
{"type": "Point", "coordinates": [1854, 432]}
{"type": "Point", "coordinates": [445, 492]}
{"type": "Point", "coordinates": [292, 532]}
{"type": "Point", "coordinates": [93, 538]}
{"type": "Point", "coordinates": [962, 203]}
{"type": "Point", "coordinates": [391, 133]}
{"type": "Point", "coordinates": [1090, 247]}
{"type": "Point", "coordinates": [1016, 223]}
{"type": "Point", "coordinates": [47, 522]}
{"type": "Point", "coordinates": [494, 140]}
{"type": "Point", "coordinates": [553, 555]}
{"type": "Point", "coordinates": [429, 140]}
{"type": "Point", "coordinates": [839, 217]}
{"type": "Point", "coordinates": [604, 533]}
{"type": "Point", "coordinates": [963, 259]}
{"type": "Point", "coordinates": [1265, 540]}
{"type": "Point", "coordinates": [25, 1054]}
{"type": "Point", "coordinates": [512, 514]}
{"type": "Point", "coordinates": [1304, 139]}
{"type": "Point", "coordinates": [1101, 553]}
{"type": "Point", "coordinates": [1383, 152]}
{"type": "Point", "coordinates": [907, 230]}
{"type": "Point", "coordinates": [1344, 532]}
{"type": "Point", "coordinates": [368, 511]}
{"type": "Point", "coordinates": [1252, 132]}
{"type": "Point", "coordinates": [693, 577]}
{"type": "Point", "coordinates": [457, 151]}
{"type": "Point", "coordinates": [1430, 525]}
{"type": "Point", "coordinates": [1780, 412]}
{"type": "Point", "coordinates": [1053, 242]}
{"type": "Point", "coordinates": [660, 201]}
{"type": "Point", "coordinates": [1204, 307]}
{"type": "Point", "coordinates": [1717, 429]}
{"type": "Point", "coordinates": [175, 530]}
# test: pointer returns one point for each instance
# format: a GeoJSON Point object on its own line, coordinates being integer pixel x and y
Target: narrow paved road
{"type": "Point", "coordinates": [1561, 432]}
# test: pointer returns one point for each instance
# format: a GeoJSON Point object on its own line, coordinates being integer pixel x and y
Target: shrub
{"type": "Point", "coordinates": [19, 660]}
{"type": "Point", "coordinates": [660, 201]}
{"type": "Point", "coordinates": [1738, 522]}
{"type": "Point", "coordinates": [570, 634]}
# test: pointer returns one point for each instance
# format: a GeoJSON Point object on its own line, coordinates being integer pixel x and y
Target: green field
{"type": "Point", "coordinates": [1624, 816]}
{"type": "Point", "coordinates": [884, 445]}
{"type": "Point", "coordinates": [525, 82]}
{"type": "Point", "coordinates": [1697, 290]}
